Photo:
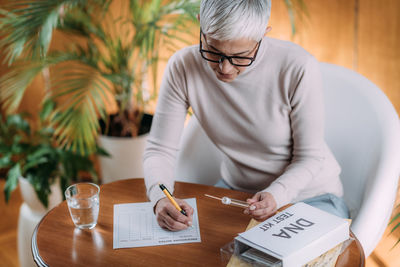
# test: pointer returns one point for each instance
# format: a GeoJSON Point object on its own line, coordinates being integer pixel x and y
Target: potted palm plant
{"type": "Point", "coordinates": [42, 170]}
{"type": "Point", "coordinates": [33, 160]}
{"type": "Point", "coordinates": [110, 59]}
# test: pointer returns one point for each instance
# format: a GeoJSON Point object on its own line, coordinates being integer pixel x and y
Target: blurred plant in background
{"type": "Point", "coordinates": [111, 54]}
{"type": "Point", "coordinates": [396, 222]}
{"type": "Point", "coordinates": [31, 154]}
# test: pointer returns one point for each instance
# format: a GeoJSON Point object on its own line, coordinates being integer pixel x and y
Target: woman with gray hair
{"type": "Point", "coordinates": [260, 101]}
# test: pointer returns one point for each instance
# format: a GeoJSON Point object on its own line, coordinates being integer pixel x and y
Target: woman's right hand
{"type": "Point", "coordinates": [168, 217]}
{"type": "Point", "coordinates": [261, 206]}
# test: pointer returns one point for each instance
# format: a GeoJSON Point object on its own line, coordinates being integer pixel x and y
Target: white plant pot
{"type": "Point", "coordinates": [126, 159]}
{"type": "Point", "coordinates": [30, 214]}
{"type": "Point", "coordinates": [30, 198]}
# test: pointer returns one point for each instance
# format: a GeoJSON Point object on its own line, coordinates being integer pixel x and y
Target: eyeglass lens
{"type": "Point", "coordinates": [219, 58]}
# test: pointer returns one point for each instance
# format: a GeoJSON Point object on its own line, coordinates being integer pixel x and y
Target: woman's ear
{"type": "Point", "coordinates": [267, 30]}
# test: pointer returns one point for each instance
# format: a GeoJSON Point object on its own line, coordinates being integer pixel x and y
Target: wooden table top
{"type": "Point", "coordinates": [56, 241]}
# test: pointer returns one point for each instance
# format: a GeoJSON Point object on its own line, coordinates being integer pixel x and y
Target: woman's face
{"type": "Point", "coordinates": [225, 71]}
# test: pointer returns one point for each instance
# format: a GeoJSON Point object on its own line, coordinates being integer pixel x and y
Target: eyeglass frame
{"type": "Point", "coordinates": [229, 58]}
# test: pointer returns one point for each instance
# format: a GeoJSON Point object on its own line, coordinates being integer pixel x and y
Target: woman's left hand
{"type": "Point", "coordinates": [262, 206]}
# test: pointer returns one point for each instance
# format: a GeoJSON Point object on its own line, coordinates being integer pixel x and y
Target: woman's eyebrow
{"type": "Point", "coordinates": [236, 54]}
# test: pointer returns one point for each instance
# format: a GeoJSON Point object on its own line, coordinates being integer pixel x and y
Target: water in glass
{"type": "Point", "coordinates": [83, 204]}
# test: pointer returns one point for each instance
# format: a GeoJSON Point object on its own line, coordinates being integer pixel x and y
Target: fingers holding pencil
{"type": "Point", "coordinates": [168, 217]}
{"type": "Point", "coordinates": [171, 199]}
{"type": "Point", "coordinates": [186, 207]}
{"type": "Point", "coordinates": [174, 214]}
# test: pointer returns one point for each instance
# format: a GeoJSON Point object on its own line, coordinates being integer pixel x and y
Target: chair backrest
{"type": "Point", "coordinates": [353, 129]}
{"type": "Point", "coordinates": [362, 129]}
{"type": "Point", "coordinates": [199, 159]}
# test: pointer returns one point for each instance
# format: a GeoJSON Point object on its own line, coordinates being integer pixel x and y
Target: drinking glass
{"type": "Point", "coordinates": [83, 204]}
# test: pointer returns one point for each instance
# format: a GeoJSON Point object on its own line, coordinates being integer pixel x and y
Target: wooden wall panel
{"type": "Point", "coordinates": [328, 32]}
{"type": "Point", "coordinates": [363, 35]}
{"type": "Point", "coordinates": [379, 46]}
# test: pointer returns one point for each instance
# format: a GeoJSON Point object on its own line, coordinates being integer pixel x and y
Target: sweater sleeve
{"type": "Point", "coordinates": [307, 126]}
{"type": "Point", "coordinates": [163, 141]}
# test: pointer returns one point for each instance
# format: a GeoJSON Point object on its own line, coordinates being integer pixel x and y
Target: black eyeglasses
{"type": "Point", "coordinates": [220, 57]}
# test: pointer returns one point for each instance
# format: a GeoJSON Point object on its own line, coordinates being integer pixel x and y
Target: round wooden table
{"type": "Point", "coordinates": [56, 241]}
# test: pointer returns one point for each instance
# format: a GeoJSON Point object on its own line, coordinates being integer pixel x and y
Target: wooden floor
{"type": "Point", "coordinates": [383, 255]}
{"type": "Point", "coordinates": [8, 228]}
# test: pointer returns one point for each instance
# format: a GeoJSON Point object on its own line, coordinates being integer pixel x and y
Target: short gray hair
{"type": "Point", "coordinates": [234, 19]}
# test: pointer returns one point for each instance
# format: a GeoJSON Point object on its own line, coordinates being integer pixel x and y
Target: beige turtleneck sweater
{"type": "Point", "coordinates": [268, 122]}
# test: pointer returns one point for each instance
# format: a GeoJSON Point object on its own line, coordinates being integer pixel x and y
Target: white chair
{"type": "Point", "coordinates": [363, 131]}
{"type": "Point", "coordinates": [198, 159]}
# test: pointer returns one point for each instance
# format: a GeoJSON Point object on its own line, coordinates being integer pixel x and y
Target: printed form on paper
{"type": "Point", "coordinates": [135, 225]}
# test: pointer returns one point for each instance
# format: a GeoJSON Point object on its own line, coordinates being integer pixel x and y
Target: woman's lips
{"type": "Point", "coordinates": [225, 76]}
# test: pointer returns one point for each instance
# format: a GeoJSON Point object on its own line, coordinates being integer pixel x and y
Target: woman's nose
{"type": "Point", "coordinates": [225, 66]}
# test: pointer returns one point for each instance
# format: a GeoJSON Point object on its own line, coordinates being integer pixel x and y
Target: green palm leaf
{"type": "Point", "coordinates": [13, 84]}
{"type": "Point", "coordinates": [81, 91]}
{"type": "Point", "coordinates": [29, 26]}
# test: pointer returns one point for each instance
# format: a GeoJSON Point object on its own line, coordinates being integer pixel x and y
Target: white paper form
{"type": "Point", "coordinates": [135, 225]}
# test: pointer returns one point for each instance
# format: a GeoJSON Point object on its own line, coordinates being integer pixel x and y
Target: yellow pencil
{"type": "Point", "coordinates": [169, 196]}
